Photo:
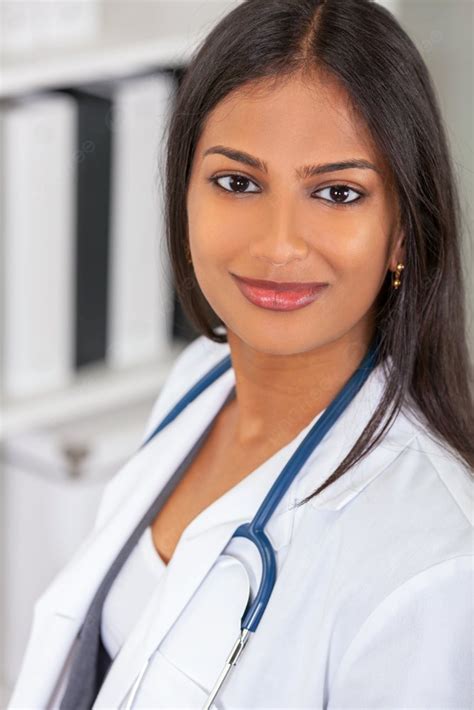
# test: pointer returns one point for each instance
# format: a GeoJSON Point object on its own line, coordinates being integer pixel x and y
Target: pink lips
{"type": "Point", "coordinates": [279, 296]}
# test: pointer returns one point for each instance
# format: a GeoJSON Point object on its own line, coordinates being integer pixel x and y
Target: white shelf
{"type": "Point", "coordinates": [96, 389]}
{"type": "Point", "coordinates": [135, 36]}
{"type": "Point", "coordinates": [83, 65]}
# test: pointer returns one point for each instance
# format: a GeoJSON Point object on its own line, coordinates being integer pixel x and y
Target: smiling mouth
{"type": "Point", "coordinates": [279, 296]}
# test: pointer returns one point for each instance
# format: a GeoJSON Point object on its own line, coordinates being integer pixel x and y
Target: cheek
{"type": "Point", "coordinates": [359, 251]}
{"type": "Point", "coordinates": [359, 265]}
{"type": "Point", "coordinates": [218, 231]}
{"type": "Point", "coordinates": [214, 246]}
{"type": "Point", "coordinates": [213, 253]}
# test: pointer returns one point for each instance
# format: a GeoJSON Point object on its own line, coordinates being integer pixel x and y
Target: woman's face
{"type": "Point", "coordinates": [336, 226]}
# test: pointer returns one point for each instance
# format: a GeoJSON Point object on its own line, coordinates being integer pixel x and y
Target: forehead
{"type": "Point", "coordinates": [304, 118]}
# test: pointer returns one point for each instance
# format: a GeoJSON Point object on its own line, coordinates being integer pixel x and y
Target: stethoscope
{"type": "Point", "coordinates": [254, 530]}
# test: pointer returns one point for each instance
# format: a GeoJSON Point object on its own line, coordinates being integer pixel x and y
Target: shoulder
{"type": "Point", "coordinates": [402, 594]}
{"type": "Point", "coordinates": [399, 530]}
{"type": "Point", "coordinates": [453, 474]}
{"type": "Point", "coordinates": [432, 458]}
{"type": "Point", "coordinates": [422, 501]}
{"type": "Point", "coordinates": [409, 468]}
{"type": "Point", "coordinates": [412, 608]}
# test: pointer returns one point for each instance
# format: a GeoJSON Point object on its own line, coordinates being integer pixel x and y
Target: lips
{"type": "Point", "coordinates": [279, 296]}
{"type": "Point", "coordinates": [293, 286]}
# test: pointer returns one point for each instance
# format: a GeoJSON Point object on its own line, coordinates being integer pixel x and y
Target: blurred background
{"type": "Point", "coordinates": [89, 320]}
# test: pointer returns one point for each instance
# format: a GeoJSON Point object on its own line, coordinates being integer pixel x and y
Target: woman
{"type": "Point", "coordinates": [305, 146]}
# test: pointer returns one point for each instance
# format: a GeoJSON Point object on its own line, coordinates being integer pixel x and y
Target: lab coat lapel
{"type": "Point", "coordinates": [60, 610]}
{"type": "Point", "coordinates": [205, 538]}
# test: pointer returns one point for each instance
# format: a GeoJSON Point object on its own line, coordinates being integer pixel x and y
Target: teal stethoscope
{"type": "Point", "coordinates": [255, 530]}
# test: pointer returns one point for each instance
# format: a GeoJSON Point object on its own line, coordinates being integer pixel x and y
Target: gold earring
{"type": "Point", "coordinates": [396, 281]}
{"type": "Point", "coordinates": [188, 253]}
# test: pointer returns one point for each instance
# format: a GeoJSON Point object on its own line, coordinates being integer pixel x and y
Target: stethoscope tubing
{"type": "Point", "coordinates": [208, 379]}
{"type": "Point", "coordinates": [254, 531]}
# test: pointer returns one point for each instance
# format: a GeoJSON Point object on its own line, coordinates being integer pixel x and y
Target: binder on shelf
{"type": "Point", "coordinates": [53, 480]}
{"type": "Point", "coordinates": [37, 137]}
{"type": "Point", "coordinates": [93, 159]}
{"type": "Point", "coordinates": [140, 303]}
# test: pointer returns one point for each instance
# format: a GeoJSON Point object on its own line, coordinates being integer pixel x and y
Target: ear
{"type": "Point", "coordinates": [398, 252]}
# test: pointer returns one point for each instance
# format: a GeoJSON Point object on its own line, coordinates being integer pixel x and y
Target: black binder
{"type": "Point", "coordinates": [93, 155]}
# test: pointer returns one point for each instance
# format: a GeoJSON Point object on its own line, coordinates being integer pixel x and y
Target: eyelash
{"type": "Point", "coordinates": [215, 178]}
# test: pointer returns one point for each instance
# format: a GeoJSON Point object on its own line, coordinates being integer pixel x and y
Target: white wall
{"type": "Point", "coordinates": [443, 32]}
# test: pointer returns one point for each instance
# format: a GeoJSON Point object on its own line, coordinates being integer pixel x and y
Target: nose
{"type": "Point", "coordinates": [279, 241]}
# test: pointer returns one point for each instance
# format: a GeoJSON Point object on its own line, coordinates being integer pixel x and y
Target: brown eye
{"type": "Point", "coordinates": [338, 194]}
{"type": "Point", "coordinates": [238, 183]}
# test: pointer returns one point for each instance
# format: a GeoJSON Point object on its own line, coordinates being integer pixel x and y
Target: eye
{"type": "Point", "coordinates": [339, 194]}
{"type": "Point", "coordinates": [236, 181]}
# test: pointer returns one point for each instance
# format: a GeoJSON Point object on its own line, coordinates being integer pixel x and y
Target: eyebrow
{"type": "Point", "coordinates": [303, 173]}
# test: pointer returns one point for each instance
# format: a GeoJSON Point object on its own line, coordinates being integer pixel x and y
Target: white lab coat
{"type": "Point", "coordinates": [373, 603]}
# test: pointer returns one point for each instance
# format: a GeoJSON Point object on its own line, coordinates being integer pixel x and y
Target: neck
{"type": "Point", "coordinates": [278, 395]}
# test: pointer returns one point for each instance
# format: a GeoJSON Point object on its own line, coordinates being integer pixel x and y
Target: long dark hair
{"type": "Point", "coordinates": [422, 325]}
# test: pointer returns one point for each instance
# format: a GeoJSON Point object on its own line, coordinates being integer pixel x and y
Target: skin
{"type": "Point", "coordinates": [290, 365]}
